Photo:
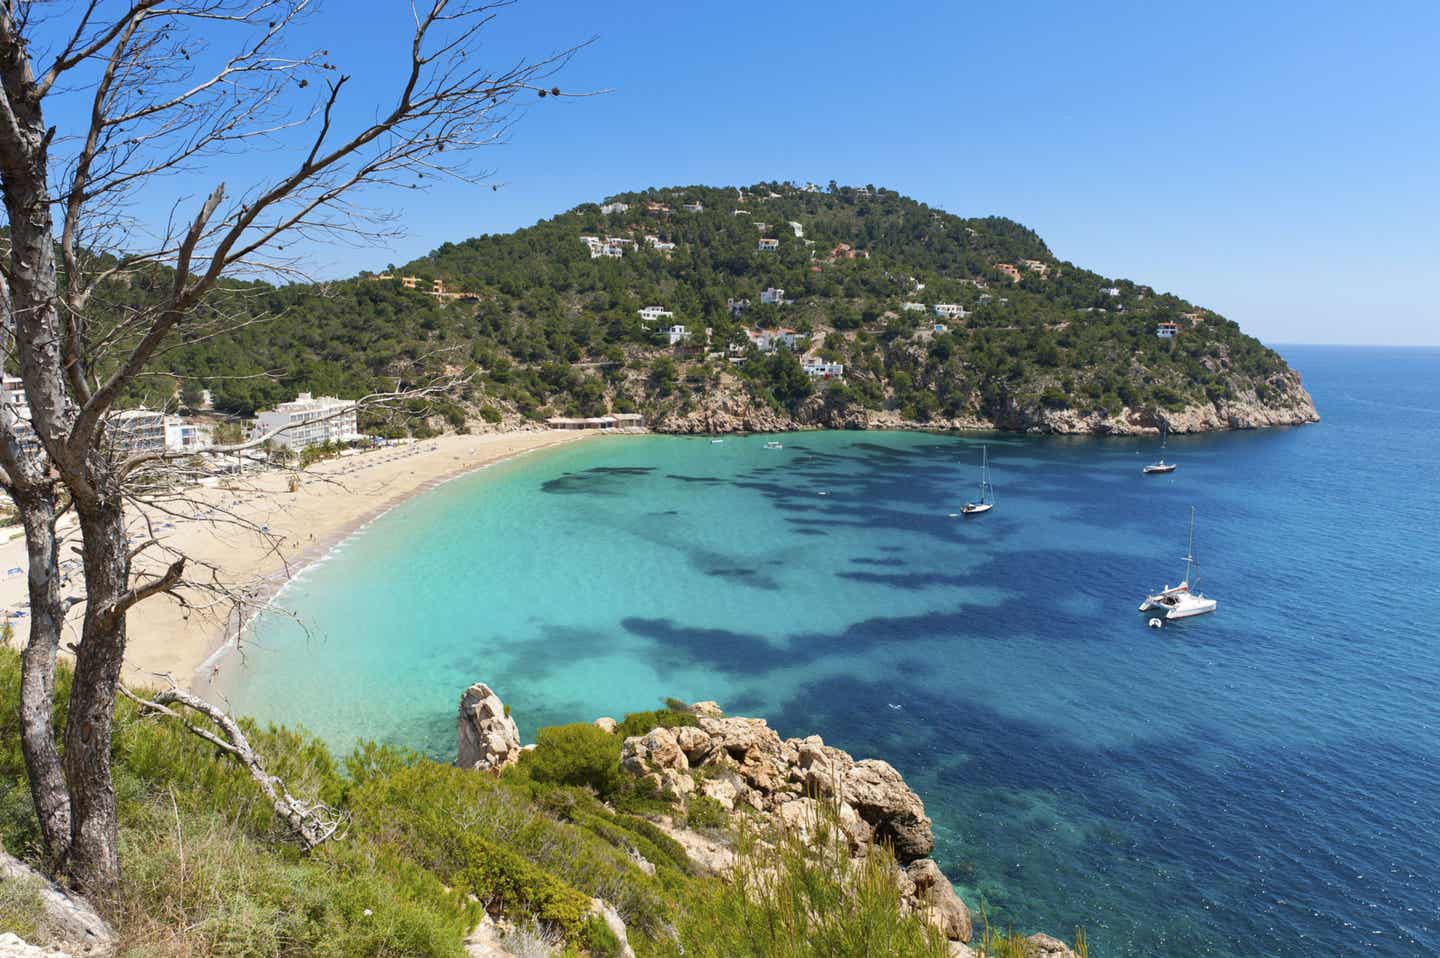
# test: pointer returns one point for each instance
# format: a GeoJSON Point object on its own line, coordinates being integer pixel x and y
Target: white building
{"type": "Point", "coordinates": [659, 244]}
{"type": "Point", "coordinates": [695, 207]}
{"type": "Point", "coordinates": [308, 422]}
{"type": "Point", "coordinates": [950, 311]}
{"type": "Point", "coordinates": [183, 436]}
{"type": "Point", "coordinates": [773, 295]}
{"type": "Point", "coordinates": [913, 307]}
{"type": "Point", "coordinates": [768, 245]}
{"type": "Point", "coordinates": [1111, 291]}
{"type": "Point", "coordinates": [819, 369]}
{"type": "Point", "coordinates": [675, 334]}
{"type": "Point", "coordinates": [138, 431]}
{"type": "Point", "coordinates": [767, 340]}
{"type": "Point", "coordinates": [15, 412]}
{"type": "Point", "coordinates": [1167, 330]}
{"type": "Point", "coordinates": [650, 314]}
{"type": "Point", "coordinates": [616, 207]}
{"type": "Point", "coordinates": [799, 230]}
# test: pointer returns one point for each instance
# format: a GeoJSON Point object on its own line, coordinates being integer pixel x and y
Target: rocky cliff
{"type": "Point", "coordinates": [730, 408]}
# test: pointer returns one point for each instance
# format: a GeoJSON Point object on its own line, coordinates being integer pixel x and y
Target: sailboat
{"type": "Point", "coordinates": [1160, 466]}
{"type": "Point", "coordinates": [1185, 599]}
{"type": "Point", "coordinates": [987, 492]}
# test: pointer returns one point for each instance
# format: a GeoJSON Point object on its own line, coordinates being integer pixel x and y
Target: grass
{"type": "Point", "coordinates": [207, 873]}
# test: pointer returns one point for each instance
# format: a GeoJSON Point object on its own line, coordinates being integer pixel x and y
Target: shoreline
{"type": "Point", "coordinates": [226, 641]}
{"type": "Point", "coordinates": [306, 522]}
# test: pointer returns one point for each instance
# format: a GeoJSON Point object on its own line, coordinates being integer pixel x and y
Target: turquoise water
{"type": "Point", "coordinates": [1263, 781]}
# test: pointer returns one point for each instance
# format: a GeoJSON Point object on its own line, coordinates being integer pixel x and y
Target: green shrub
{"type": "Point", "coordinates": [578, 754]}
{"type": "Point", "coordinates": [702, 811]}
{"type": "Point", "coordinates": [638, 723]}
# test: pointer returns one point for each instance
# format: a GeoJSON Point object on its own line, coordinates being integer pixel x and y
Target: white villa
{"type": "Point", "coordinates": [695, 207]}
{"type": "Point", "coordinates": [773, 295]}
{"type": "Point", "coordinates": [768, 245]}
{"type": "Point", "coordinates": [799, 230]}
{"type": "Point", "coordinates": [1111, 291]}
{"type": "Point", "coordinates": [139, 430]}
{"type": "Point", "coordinates": [616, 207]}
{"type": "Point", "coordinates": [181, 435]}
{"type": "Point", "coordinates": [1167, 330]}
{"type": "Point", "coordinates": [659, 244]}
{"type": "Point", "coordinates": [768, 340]}
{"type": "Point", "coordinates": [950, 311]}
{"type": "Point", "coordinates": [308, 421]}
{"type": "Point", "coordinates": [650, 314]}
{"type": "Point", "coordinates": [819, 369]}
{"type": "Point", "coordinates": [913, 307]}
{"type": "Point", "coordinates": [675, 334]}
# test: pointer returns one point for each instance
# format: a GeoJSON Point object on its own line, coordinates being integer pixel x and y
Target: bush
{"type": "Point", "coordinates": [578, 754]}
{"type": "Point", "coordinates": [705, 812]}
{"type": "Point", "coordinates": [638, 723]}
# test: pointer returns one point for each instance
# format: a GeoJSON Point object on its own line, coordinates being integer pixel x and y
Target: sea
{"type": "Point", "coordinates": [1263, 781]}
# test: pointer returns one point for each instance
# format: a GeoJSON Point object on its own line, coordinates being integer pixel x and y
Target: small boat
{"type": "Point", "coordinates": [716, 442]}
{"type": "Point", "coordinates": [987, 492]}
{"type": "Point", "coordinates": [772, 444]}
{"type": "Point", "coordinates": [1182, 601]}
{"type": "Point", "coordinates": [1160, 466]}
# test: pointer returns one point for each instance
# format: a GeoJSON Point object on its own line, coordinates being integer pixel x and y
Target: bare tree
{"type": "Point", "coordinates": [169, 88]}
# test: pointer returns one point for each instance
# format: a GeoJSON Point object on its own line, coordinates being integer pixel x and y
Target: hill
{"type": "Point", "coordinates": [549, 320]}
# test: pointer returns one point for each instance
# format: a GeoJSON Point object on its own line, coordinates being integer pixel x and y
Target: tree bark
{"type": "Point", "coordinates": [37, 679]}
{"type": "Point", "coordinates": [94, 840]}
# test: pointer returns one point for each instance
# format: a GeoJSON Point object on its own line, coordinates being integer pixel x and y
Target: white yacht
{"type": "Point", "coordinates": [1183, 600]}
{"type": "Point", "coordinates": [987, 491]}
{"type": "Point", "coordinates": [1160, 466]}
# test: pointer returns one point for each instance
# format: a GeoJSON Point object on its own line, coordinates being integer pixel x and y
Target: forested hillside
{"type": "Point", "coordinates": [546, 328]}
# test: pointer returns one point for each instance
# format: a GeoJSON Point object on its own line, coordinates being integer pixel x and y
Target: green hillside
{"type": "Point", "coordinates": [547, 329]}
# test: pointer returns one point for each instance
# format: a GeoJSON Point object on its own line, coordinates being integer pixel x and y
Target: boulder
{"type": "Point", "coordinates": [936, 895]}
{"type": "Point", "coordinates": [958, 950]}
{"type": "Point", "coordinates": [12, 946]}
{"type": "Point", "coordinates": [823, 767]}
{"type": "Point", "coordinates": [1043, 946]}
{"type": "Point", "coordinates": [707, 710]}
{"type": "Point", "coordinates": [606, 724]}
{"type": "Point", "coordinates": [883, 799]}
{"type": "Point", "coordinates": [489, 740]}
{"type": "Point", "coordinates": [694, 743]}
{"type": "Point", "coordinates": [722, 791]}
{"type": "Point", "coordinates": [663, 751]}
{"type": "Point", "coordinates": [71, 922]}
{"type": "Point", "coordinates": [751, 745]}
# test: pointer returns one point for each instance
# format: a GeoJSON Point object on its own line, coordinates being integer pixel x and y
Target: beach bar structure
{"type": "Point", "coordinates": [619, 420]}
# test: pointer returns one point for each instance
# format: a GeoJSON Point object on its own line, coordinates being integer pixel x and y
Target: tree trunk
{"type": "Point", "coordinates": [94, 841]}
{"type": "Point", "coordinates": [37, 680]}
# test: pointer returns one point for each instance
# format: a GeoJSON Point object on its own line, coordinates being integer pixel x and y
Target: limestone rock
{"type": "Point", "coordinates": [696, 745]}
{"type": "Point", "coordinates": [883, 799]}
{"type": "Point", "coordinates": [707, 854]}
{"type": "Point", "coordinates": [488, 738]}
{"type": "Point", "coordinates": [606, 724]}
{"type": "Point", "coordinates": [721, 790]}
{"type": "Point", "coordinates": [70, 920]}
{"type": "Point", "coordinates": [1043, 946]}
{"type": "Point", "coordinates": [664, 752]}
{"type": "Point", "coordinates": [707, 710]}
{"type": "Point", "coordinates": [613, 921]}
{"type": "Point", "coordinates": [958, 950]}
{"type": "Point", "coordinates": [15, 947]}
{"type": "Point", "coordinates": [934, 891]}
{"type": "Point", "coordinates": [753, 747]}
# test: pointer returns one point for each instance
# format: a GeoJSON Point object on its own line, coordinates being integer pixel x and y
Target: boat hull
{"type": "Point", "coordinates": [974, 509]}
{"type": "Point", "coordinates": [1158, 470]}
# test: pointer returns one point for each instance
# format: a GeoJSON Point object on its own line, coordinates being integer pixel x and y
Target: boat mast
{"type": "Point", "coordinates": [1190, 553]}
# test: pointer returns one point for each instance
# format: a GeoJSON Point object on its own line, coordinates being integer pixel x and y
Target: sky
{"type": "Point", "coordinates": [1277, 162]}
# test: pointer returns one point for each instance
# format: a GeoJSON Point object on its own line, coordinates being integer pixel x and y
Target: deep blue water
{"type": "Point", "coordinates": [1263, 781]}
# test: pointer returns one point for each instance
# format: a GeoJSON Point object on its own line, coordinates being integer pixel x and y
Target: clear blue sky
{"type": "Point", "coordinates": [1279, 162]}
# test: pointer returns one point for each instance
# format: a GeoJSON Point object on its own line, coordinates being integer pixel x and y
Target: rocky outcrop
{"type": "Point", "coordinates": [1043, 946]}
{"type": "Point", "coordinates": [801, 785]}
{"type": "Point", "coordinates": [729, 409]}
{"type": "Point", "coordinates": [488, 737]}
{"type": "Point", "coordinates": [605, 912]}
{"type": "Point", "coordinates": [70, 923]}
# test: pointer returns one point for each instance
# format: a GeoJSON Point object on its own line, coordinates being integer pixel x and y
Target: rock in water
{"type": "Point", "coordinates": [489, 740]}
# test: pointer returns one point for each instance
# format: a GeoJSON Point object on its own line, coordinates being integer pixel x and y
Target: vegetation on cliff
{"type": "Point", "coordinates": [429, 849]}
{"type": "Point", "coordinates": [548, 329]}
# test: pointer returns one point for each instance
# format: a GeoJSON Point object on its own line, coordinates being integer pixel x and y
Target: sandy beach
{"type": "Point", "coordinates": [328, 502]}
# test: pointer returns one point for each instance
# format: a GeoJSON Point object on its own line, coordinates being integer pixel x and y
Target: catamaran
{"type": "Point", "coordinates": [1160, 466]}
{"type": "Point", "coordinates": [1185, 599]}
{"type": "Point", "coordinates": [987, 492]}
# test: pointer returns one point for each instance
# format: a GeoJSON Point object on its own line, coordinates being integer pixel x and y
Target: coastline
{"type": "Point", "coordinates": [330, 502]}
